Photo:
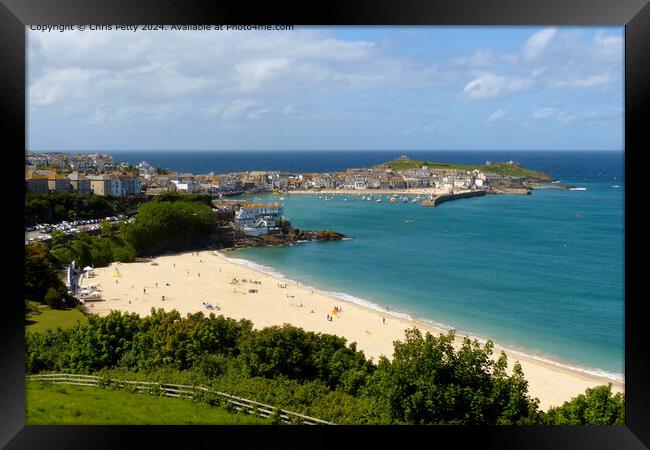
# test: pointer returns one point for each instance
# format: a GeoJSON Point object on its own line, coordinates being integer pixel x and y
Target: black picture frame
{"type": "Point", "coordinates": [633, 14]}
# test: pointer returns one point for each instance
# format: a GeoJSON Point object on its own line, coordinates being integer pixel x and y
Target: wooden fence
{"type": "Point", "coordinates": [182, 390]}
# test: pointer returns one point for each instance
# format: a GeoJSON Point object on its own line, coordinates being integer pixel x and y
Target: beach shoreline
{"type": "Point", "coordinates": [190, 280]}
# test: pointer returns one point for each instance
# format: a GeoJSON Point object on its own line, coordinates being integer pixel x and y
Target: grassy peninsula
{"type": "Point", "coordinates": [506, 169]}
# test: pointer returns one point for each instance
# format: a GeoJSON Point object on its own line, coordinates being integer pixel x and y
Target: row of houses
{"type": "Point", "coordinates": [96, 163]}
{"type": "Point", "coordinates": [118, 185]}
{"type": "Point", "coordinates": [359, 179]}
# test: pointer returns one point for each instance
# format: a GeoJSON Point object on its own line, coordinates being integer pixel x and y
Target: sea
{"type": "Point", "coordinates": [541, 274]}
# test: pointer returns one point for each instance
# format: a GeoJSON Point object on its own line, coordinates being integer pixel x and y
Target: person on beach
{"type": "Point", "coordinates": [163, 298]}
{"type": "Point", "coordinates": [156, 284]}
{"type": "Point", "coordinates": [383, 320]}
{"type": "Point", "coordinates": [144, 290]}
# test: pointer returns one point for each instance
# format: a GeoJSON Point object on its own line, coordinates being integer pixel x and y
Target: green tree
{"type": "Point", "coordinates": [429, 382]}
{"type": "Point", "coordinates": [169, 226]}
{"type": "Point", "coordinates": [106, 229]}
{"type": "Point", "coordinates": [57, 237]}
{"type": "Point", "coordinates": [597, 406]}
{"type": "Point", "coordinates": [54, 299]}
{"type": "Point", "coordinates": [41, 272]}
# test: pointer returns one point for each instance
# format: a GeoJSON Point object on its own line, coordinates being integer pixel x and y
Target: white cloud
{"type": "Point", "coordinates": [60, 84]}
{"type": "Point", "coordinates": [543, 113]}
{"type": "Point", "coordinates": [553, 114]}
{"type": "Point", "coordinates": [608, 46]}
{"type": "Point", "coordinates": [433, 128]}
{"type": "Point", "coordinates": [489, 85]}
{"type": "Point", "coordinates": [287, 110]}
{"type": "Point", "coordinates": [480, 58]}
{"type": "Point", "coordinates": [589, 81]}
{"type": "Point", "coordinates": [536, 44]}
{"type": "Point", "coordinates": [250, 75]}
{"type": "Point", "coordinates": [238, 109]}
{"type": "Point", "coordinates": [258, 113]}
{"type": "Point", "coordinates": [496, 116]}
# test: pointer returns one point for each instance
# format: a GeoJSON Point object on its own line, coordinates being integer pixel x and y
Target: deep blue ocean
{"type": "Point", "coordinates": [542, 274]}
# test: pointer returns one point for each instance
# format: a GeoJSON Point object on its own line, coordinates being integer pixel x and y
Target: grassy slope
{"type": "Point", "coordinates": [500, 168]}
{"type": "Point", "coordinates": [52, 404]}
{"type": "Point", "coordinates": [52, 318]}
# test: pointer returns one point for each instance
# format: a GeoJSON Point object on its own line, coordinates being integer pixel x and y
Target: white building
{"type": "Point", "coordinates": [257, 219]}
{"type": "Point", "coordinates": [183, 185]}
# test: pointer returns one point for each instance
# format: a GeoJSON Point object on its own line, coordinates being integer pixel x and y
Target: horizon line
{"type": "Point", "coordinates": [321, 150]}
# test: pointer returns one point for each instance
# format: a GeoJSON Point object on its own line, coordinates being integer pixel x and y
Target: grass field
{"type": "Point", "coordinates": [52, 318]}
{"type": "Point", "coordinates": [60, 404]}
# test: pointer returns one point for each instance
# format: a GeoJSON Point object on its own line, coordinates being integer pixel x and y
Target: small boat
{"type": "Point", "coordinates": [281, 198]}
{"type": "Point", "coordinates": [393, 199]}
{"type": "Point", "coordinates": [405, 199]}
{"type": "Point", "coordinates": [408, 221]}
{"type": "Point", "coordinates": [378, 200]}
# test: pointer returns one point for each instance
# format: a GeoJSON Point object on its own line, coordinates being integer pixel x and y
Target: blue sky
{"type": "Point", "coordinates": [392, 88]}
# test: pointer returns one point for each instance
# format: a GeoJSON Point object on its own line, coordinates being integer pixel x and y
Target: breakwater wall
{"type": "Point", "coordinates": [513, 191]}
{"type": "Point", "coordinates": [435, 201]}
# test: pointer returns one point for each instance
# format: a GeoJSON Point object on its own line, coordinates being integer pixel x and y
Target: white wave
{"type": "Point", "coordinates": [578, 189]}
{"type": "Point", "coordinates": [616, 186]}
{"type": "Point", "coordinates": [427, 322]}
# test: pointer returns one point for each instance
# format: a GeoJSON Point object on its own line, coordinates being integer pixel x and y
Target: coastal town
{"type": "Point", "coordinates": [101, 175]}
{"type": "Point", "coordinates": [426, 183]}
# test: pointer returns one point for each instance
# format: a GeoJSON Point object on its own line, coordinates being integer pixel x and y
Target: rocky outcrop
{"type": "Point", "coordinates": [292, 236]}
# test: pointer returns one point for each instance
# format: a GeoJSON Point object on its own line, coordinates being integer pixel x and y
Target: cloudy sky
{"type": "Point", "coordinates": [394, 88]}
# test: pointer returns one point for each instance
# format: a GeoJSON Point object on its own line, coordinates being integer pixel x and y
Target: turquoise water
{"type": "Point", "coordinates": [542, 274]}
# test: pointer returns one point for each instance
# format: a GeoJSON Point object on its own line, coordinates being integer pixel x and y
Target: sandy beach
{"type": "Point", "coordinates": [186, 281]}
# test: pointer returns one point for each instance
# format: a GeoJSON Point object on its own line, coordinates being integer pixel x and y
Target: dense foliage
{"type": "Point", "coordinates": [92, 251]}
{"type": "Point", "coordinates": [597, 406]}
{"type": "Point", "coordinates": [42, 282]}
{"type": "Point", "coordinates": [57, 207]}
{"type": "Point", "coordinates": [177, 197]}
{"type": "Point", "coordinates": [426, 382]}
{"type": "Point", "coordinates": [162, 226]}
